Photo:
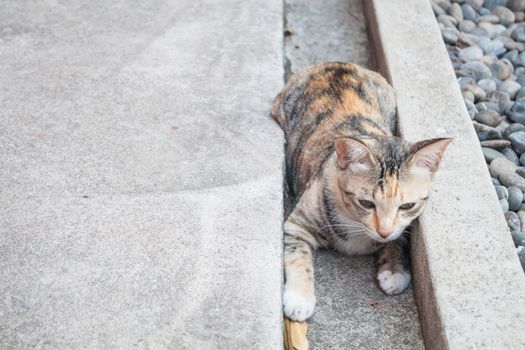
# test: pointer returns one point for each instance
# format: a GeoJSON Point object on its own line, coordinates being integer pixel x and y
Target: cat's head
{"type": "Point", "coordinates": [384, 183]}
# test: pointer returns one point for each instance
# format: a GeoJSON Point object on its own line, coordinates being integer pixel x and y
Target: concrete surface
{"type": "Point", "coordinates": [324, 31]}
{"type": "Point", "coordinates": [468, 281]}
{"type": "Point", "coordinates": [344, 318]}
{"type": "Point", "coordinates": [141, 182]}
{"type": "Point", "coordinates": [352, 313]}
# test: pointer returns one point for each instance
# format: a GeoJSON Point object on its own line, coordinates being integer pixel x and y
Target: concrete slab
{"type": "Point", "coordinates": [468, 281]}
{"type": "Point", "coordinates": [141, 175]}
{"type": "Point", "coordinates": [352, 313]}
{"type": "Point", "coordinates": [344, 318]}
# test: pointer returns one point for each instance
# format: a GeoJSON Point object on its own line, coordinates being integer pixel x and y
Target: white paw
{"type": "Point", "coordinates": [393, 283]}
{"type": "Point", "coordinates": [296, 306]}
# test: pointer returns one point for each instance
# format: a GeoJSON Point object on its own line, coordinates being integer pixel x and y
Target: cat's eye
{"type": "Point", "coordinates": [367, 204]}
{"type": "Point", "coordinates": [407, 206]}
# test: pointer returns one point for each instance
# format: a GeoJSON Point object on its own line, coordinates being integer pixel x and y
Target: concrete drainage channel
{"type": "Point", "coordinates": [467, 279]}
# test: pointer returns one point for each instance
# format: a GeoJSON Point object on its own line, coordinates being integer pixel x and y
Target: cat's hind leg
{"type": "Point", "coordinates": [298, 296]}
{"type": "Point", "coordinates": [393, 273]}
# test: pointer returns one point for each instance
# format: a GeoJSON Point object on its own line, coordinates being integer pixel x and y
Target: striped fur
{"type": "Point", "coordinates": [342, 158]}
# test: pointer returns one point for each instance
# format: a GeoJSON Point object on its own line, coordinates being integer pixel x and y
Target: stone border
{"type": "Point", "coordinates": [468, 281]}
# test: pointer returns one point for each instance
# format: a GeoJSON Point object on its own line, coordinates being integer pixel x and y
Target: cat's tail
{"type": "Point", "coordinates": [277, 111]}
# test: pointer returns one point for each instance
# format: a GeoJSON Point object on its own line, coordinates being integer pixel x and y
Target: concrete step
{"type": "Point", "coordinates": [345, 317]}
{"type": "Point", "coordinates": [141, 175]}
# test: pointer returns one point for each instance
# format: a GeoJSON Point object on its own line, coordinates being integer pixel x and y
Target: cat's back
{"type": "Point", "coordinates": [324, 102]}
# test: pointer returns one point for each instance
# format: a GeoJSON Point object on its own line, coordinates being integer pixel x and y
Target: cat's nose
{"type": "Point", "coordinates": [383, 233]}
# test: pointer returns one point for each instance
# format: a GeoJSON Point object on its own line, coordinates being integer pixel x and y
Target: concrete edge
{"type": "Point", "coordinates": [458, 310]}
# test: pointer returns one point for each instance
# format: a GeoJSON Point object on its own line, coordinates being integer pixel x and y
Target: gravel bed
{"type": "Point", "coordinates": [485, 40]}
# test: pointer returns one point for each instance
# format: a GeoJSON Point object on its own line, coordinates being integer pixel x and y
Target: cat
{"type": "Point", "coordinates": [350, 184]}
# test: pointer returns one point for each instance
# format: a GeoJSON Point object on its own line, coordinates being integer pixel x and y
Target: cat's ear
{"type": "Point", "coordinates": [428, 153]}
{"type": "Point", "coordinates": [353, 152]}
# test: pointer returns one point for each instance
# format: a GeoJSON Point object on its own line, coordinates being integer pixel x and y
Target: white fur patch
{"type": "Point", "coordinates": [296, 306]}
{"type": "Point", "coordinates": [393, 283]}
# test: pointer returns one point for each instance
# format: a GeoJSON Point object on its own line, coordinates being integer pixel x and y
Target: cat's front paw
{"type": "Point", "coordinates": [298, 307]}
{"type": "Point", "coordinates": [393, 283]}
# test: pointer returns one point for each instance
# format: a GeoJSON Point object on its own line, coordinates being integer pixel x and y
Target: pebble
{"type": "Point", "coordinates": [437, 9]}
{"type": "Point", "coordinates": [488, 117]}
{"type": "Point", "coordinates": [512, 179]}
{"type": "Point", "coordinates": [489, 18]}
{"type": "Point", "coordinates": [518, 141]}
{"type": "Point", "coordinates": [520, 93]}
{"type": "Point", "coordinates": [502, 69]}
{"type": "Point", "coordinates": [495, 182]}
{"type": "Point", "coordinates": [479, 93]}
{"type": "Point", "coordinates": [510, 87]}
{"type": "Point", "coordinates": [513, 221]}
{"type": "Point", "coordinates": [491, 154]}
{"type": "Point", "coordinates": [472, 53]}
{"type": "Point", "coordinates": [505, 15]}
{"type": "Point", "coordinates": [500, 166]}
{"type": "Point", "coordinates": [519, 34]}
{"type": "Point", "coordinates": [488, 85]}
{"type": "Point", "coordinates": [521, 256]}
{"type": "Point", "coordinates": [471, 109]}
{"type": "Point", "coordinates": [468, 12]}
{"type": "Point", "coordinates": [502, 192]}
{"type": "Point", "coordinates": [503, 100]}
{"type": "Point", "coordinates": [477, 70]}
{"type": "Point", "coordinates": [522, 159]}
{"type": "Point", "coordinates": [516, 5]}
{"type": "Point", "coordinates": [447, 21]}
{"type": "Point", "coordinates": [515, 197]}
{"type": "Point", "coordinates": [455, 11]}
{"type": "Point", "coordinates": [495, 144]}
{"type": "Point", "coordinates": [504, 205]}
{"type": "Point", "coordinates": [518, 238]}
{"type": "Point", "coordinates": [521, 216]}
{"type": "Point", "coordinates": [521, 171]}
{"type": "Point", "coordinates": [512, 56]}
{"type": "Point", "coordinates": [511, 155]}
{"type": "Point", "coordinates": [450, 35]}
{"type": "Point", "coordinates": [466, 26]}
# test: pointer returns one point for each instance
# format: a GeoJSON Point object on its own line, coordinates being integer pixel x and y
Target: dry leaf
{"type": "Point", "coordinates": [295, 335]}
{"type": "Point", "coordinates": [375, 304]}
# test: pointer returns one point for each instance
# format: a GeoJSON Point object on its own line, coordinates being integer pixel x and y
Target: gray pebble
{"type": "Point", "coordinates": [516, 5]}
{"type": "Point", "coordinates": [522, 159]}
{"type": "Point", "coordinates": [513, 45]}
{"type": "Point", "coordinates": [468, 12]}
{"type": "Point", "coordinates": [437, 9]}
{"type": "Point", "coordinates": [515, 197]}
{"type": "Point", "coordinates": [450, 35]}
{"type": "Point", "coordinates": [521, 171]}
{"type": "Point", "coordinates": [504, 205]}
{"type": "Point", "coordinates": [495, 144]}
{"type": "Point", "coordinates": [494, 48]}
{"type": "Point", "coordinates": [518, 141]}
{"type": "Point", "coordinates": [506, 17]}
{"type": "Point", "coordinates": [502, 69]}
{"type": "Point", "coordinates": [513, 221]}
{"type": "Point", "coordinates": [518, 238]}
{"type": "Point", "coordinates": [521, 60]}
{"type": "Point", "coordinates": [502, 192]}
{"type": "Point", "coordinates": [503, 101]}
{"type": "Point", "coordinates": [468, 96]}
{"type": "Point", "coordinates": [455, 11]}
{"type": "Point", "coordinates": [495, 182]}
{"type": "Point", "coordinates": [513, 128]}
{"type": "Point", "coordinates": [483, 11]}
{"type": "Point", "coordinates": [512, 56]}
{"type": "Point", "coordinates": [500, 166]}
{"type": "Point", "coordinates": [520, 93]}
{"type": "Point", "coordinates": [477, 70]}
{"type": "Point", "coordinates": [510, 87]}
{"type": "Point", "coordinates": [472, 53]}
{"type": "Point", "coordinates": [447, 21]}
{"type": "Point", "coordinates": [489, 18]}
{"type": "Point", "coordinates": [518, 111]}
{"type": "Point", "coordinates": [512, 179]}
{"type": "Point", "coordinates": [521, 256]}
{"type": "Point", "coordinates": [521, 216]}
{"type": "Point", "coordinates": [488, 117]}
{"type": "Point", "coordinates": [488, 85]}
{"type": "Point", "coordinates": [491, 154]}
{"type": "Point", "coordinates": [471, 109]}
{"type": "Point", "coordinates": [519, 34]}
{"type": "Point", "coordinates": [511, 155]}
{"type": "Point", "coordinates": [466, 26]}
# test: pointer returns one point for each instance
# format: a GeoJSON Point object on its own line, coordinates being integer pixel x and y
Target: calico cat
{"type": "Point", "coordinates": [351, 185]}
